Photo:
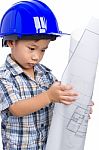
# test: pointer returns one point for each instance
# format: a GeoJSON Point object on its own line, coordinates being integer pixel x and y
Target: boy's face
{"type": "Point", "coordinates": [27, 53]}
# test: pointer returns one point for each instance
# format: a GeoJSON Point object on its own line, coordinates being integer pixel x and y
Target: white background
{"type": "Point", "coordinates": [71, 14]}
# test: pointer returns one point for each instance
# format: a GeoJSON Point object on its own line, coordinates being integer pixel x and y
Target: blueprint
{"type": "Point", "coordinates": [69, 123]}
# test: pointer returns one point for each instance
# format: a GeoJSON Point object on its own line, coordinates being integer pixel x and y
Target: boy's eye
{"type": "Point", "coordinates": [43, 50]}
{"type": "Point", "coordinates": [31, 48]}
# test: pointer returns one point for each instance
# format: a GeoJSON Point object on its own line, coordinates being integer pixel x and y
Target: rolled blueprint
{"type": "Point", "coordinates": [69, 123]}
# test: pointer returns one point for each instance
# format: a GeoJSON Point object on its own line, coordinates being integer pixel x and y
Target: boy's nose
{"type": "Point", "coordinates": [35, 57]}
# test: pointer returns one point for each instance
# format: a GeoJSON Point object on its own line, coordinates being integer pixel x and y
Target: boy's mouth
{"type": "Point", "coordinates": [31, 64]}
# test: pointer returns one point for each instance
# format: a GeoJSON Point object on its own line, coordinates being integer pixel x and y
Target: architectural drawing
{"type": "Point", "coordinates": [69, 123]}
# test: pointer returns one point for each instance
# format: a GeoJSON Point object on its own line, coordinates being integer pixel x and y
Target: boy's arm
{"type": "Point", "coordinates": [27, 106]}
{"type": "Point", "coordinates": [56, 93]}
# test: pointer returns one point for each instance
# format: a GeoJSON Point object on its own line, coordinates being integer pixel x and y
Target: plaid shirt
{"type": "Point", "coordinates": [29, 132]}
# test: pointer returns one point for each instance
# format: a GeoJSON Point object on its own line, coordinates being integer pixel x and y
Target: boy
{"type": "Point", "coordinates": [28, 90]}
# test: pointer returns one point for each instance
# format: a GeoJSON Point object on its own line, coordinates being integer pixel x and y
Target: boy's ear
{"type": "Point", "coordinates": [11, 43]}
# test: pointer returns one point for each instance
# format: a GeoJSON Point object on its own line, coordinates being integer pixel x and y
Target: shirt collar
{"type": "Point", "coordinates": [16, 69]}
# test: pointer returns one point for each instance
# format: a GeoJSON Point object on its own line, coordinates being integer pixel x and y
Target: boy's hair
{"type": "Point", "coordinates": [29, 37]}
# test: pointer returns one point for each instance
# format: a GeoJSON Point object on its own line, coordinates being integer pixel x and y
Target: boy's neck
{"type": "Point", "coordinates": [29, 72]}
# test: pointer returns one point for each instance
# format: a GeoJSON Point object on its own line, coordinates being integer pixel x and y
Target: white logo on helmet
{"type": "Point", "coordinates": [40, 24]}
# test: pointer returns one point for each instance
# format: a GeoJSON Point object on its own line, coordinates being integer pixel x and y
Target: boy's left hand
{"type": "Point", "coordinates": [91, 104]}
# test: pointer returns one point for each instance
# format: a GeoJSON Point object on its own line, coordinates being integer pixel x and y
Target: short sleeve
{"type": "Point", "coordinates": [52, 77]}
{"type": "Point", "coordinates": [8, 94]}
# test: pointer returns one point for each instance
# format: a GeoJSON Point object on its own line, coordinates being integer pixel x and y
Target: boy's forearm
{"type": "Point", "coordinates": [25, 107]}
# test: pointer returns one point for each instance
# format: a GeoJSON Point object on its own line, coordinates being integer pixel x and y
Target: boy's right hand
{"type": "Point", "coordinates": [61, 93]}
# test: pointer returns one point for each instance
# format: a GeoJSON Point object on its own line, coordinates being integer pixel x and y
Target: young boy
{"type": "Point", "coordinates": [28, 90]}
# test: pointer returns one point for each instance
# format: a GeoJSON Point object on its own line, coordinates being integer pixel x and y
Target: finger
{"type": "Point", "coordinates": [68, 98]}
{"type": "Point", "coordinates": [70, 93]}
{"type": "Point", "coordinates": [91, 103]}
{"type": "Point", "coordinates": [90, 110]}
{"type": "Point", "coordinates": [66, 102]}
{"type": "Point", "coordinates": [89, 117]}
{"type": "Point", "coordinates": [66, 87]}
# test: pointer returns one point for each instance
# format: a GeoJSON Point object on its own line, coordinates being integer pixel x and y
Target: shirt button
{"type": "Point", "coordinates": [42, 125]}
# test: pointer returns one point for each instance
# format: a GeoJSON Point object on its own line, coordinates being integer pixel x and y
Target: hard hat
{"type": "Point", "coordinates": [26, 18]}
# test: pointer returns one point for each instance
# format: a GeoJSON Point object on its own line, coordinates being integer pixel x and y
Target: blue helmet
{"type": "Point", "coordinates": [28, 18]}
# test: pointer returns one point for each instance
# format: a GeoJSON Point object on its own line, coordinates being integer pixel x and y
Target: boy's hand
{"type": "Point", "coordinates": [91, 104]}
{"type": "Point", "coordinates": [61, 93]}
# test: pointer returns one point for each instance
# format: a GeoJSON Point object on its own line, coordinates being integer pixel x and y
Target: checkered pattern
{"type": "Point", "coordinates": [28, 132]}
